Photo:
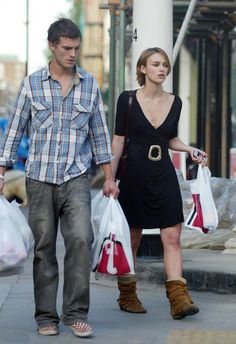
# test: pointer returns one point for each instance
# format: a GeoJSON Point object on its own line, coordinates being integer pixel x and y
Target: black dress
{"type": "Point", "coordinates": [149, 192]}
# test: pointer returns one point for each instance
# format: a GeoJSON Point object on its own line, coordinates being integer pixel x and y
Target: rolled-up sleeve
{"type": "Point", "coordinates": [99, 135]}
{"type": "Point", "coordinates": [17, 122]}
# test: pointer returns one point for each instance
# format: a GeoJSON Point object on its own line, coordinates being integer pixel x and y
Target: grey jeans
{"type": "Point", "coordinates": [71, 204]}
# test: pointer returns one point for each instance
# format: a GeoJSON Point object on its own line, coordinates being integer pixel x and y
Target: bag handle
{"type": "Point", "coordinates": [115, 208]}
{"type": "Point", "coordinates": [130, 101]}
{"type": "Point", "coordinates": [111, 208]}
{"type": "Point", "coordinates": [203, 173]}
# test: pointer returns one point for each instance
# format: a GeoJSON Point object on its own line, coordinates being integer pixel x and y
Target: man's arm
{"type": "Point", "coordinates": [2, 172]}
{"type": "Point", "coordinates": [15, 128]}
{"type": "Point", "coordinates": [101, 146]}
{"type": "Point", "coordinates": [98, 133]}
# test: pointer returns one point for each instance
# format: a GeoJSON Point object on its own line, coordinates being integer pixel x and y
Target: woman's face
{"type": "Point", "coordinates": [156, 69]}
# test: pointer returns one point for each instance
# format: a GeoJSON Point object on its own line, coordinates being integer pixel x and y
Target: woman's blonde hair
{"type": "Point", "coordinates": [142, 61]}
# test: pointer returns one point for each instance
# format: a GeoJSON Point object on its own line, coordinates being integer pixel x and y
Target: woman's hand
{"type": "Point", "coordinates": [198, 156]}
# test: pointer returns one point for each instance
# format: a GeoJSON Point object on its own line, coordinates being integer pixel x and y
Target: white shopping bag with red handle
{"type": "Point", "coordinates": [112, 252]}
{"type": "Point", "coordinates": [203, 216]}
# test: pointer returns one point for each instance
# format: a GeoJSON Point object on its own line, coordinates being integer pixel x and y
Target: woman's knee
{"type": "Point", "coordinates": [171, 238]}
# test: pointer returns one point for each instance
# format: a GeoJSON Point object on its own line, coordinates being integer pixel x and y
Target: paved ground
{"type": "Point", "coordinates": [217, 311]}
{"type": "Point", "coordinates": [205, 270]}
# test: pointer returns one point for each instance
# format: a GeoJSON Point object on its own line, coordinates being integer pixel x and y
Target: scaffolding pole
{"type": "Point", "coordinates": [183, 29]}
{"type": "Point", "coordinates": [208, 4]}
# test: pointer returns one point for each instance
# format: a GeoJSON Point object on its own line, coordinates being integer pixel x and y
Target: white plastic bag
{"type": "Point", "coordinates": [15, 237]}
{"type": "Point", "coordinates": [203, 216]}
{"type": "Point", "coordinates": [24, 227]}
{"type": "Point", "coordinates": [98, 207]}
{"type": "Point", "coordinates": [112, 252]}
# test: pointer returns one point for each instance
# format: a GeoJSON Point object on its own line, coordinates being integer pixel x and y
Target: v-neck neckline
{"type": "Point", "coordinates": [146, 118]}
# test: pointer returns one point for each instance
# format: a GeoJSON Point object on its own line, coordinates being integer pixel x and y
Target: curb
{"type": "Point", "coordinates": [217, 282]}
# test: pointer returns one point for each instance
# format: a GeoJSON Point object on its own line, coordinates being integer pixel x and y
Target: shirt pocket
{"type": "Point", "coordinates": [41, 114]}
{"type": "Point", "coordinates": [80, 117]}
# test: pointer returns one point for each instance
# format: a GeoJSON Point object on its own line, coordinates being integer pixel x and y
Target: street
{"type": "Point", "coordinates": [17, 325]}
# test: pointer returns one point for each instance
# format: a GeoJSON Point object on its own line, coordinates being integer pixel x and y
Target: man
{"type": "Point", "coordinates": [63, 108]}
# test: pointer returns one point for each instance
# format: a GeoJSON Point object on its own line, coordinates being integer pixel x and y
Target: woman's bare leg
{"type": "Point", "coordinates": [172, 251]}
{"type": "Point", "coordinates": [135, 237]}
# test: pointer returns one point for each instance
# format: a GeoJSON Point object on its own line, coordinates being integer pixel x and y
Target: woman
{"type": "Point", "coordinates": [149, 191]}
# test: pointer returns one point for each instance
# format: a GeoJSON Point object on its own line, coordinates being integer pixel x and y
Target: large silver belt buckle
{"type": "Point", "coordinates": [154, 149]}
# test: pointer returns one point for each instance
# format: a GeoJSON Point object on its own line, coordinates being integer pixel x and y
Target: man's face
{"type": "Point", "coordinates": [66, 52]}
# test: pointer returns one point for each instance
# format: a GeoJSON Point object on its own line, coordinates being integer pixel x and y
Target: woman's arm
{"type": "Point", "coordinates": [178, 145]}
{"type": "Point", "coordinates": [196, 154]}
{"type": "Point", "coordinates": [117, 149]}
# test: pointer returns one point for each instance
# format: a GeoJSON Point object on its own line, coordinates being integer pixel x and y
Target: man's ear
{"type": "Point", "coordinates": [51, 46]}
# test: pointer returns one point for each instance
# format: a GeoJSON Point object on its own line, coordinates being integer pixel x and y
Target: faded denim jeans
{"type": "Point", "coordinates": [71, 204]}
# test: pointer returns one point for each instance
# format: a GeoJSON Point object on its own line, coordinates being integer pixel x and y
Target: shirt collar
{"type": "Point", "coordinates": [78, 75]}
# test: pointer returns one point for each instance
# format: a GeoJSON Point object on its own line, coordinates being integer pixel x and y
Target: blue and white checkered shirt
{"type": "Point", "coordinates": [66, 133]}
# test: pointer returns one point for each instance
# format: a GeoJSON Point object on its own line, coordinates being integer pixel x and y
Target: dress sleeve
{"type": "Point", "coordinates": [121, 114]}
{"type": "Point", "coordinates": [174, 131]}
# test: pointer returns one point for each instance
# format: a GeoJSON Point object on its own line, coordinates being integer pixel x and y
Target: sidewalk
{"type": "Point", "coordinates": [204, 269]}
{"type": "Point", "coordinates": [217, 311]}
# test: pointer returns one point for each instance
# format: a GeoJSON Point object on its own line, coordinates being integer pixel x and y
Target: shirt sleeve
{"type": "Point", "coordinates": [17, 122]}
{"type": "Point", "coordinates": [121, 114]}
{"type": "Point", "coordinates": [98, 133]}
{"type": "Point", "coordinates": [174, 131]}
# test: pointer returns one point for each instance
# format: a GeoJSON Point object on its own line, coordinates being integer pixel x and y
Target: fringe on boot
{"type": "Point", "coordinates": [181, 303]}
{"type": "Point", "coordinates": [128, 299]}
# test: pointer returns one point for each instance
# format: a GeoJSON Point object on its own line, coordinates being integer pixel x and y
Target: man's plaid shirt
{"type": "Point", "coordinates": [66, 133]}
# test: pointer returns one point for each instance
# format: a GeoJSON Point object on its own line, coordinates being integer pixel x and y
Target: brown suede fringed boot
{"type": "Point", "coordinates": [181, 303]}
{"type": "Point", "coordinates": [128, 299]}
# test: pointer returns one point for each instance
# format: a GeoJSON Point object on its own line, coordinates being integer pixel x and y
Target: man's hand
{"type": "Point", "coordinates": [110, 188]}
